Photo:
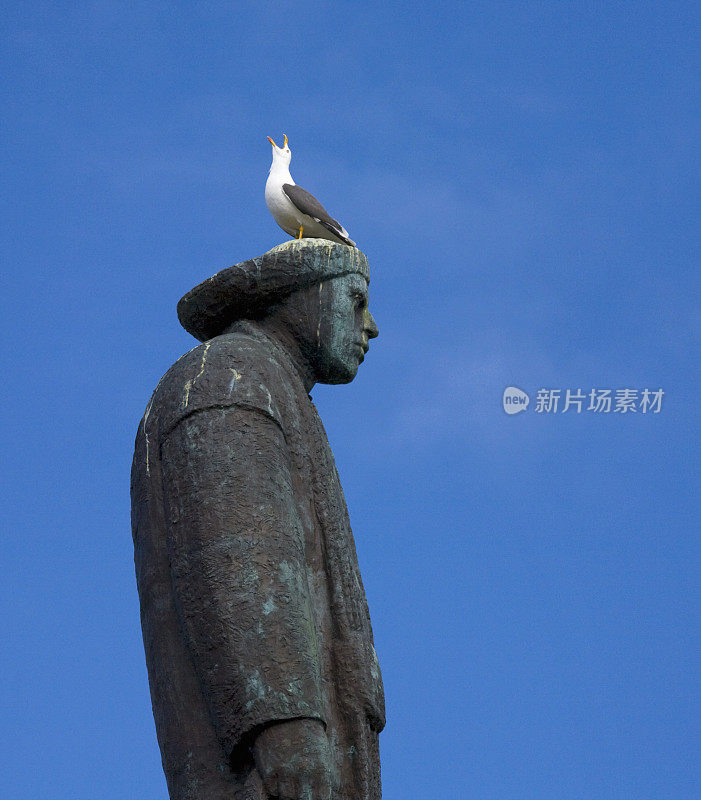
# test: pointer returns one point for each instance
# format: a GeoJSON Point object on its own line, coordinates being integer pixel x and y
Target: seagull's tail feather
{"type": "Point", "coordinates": [337, 230]}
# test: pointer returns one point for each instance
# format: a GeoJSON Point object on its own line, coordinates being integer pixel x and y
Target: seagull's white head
{"type": "Point", "coordinates": [281, 155]}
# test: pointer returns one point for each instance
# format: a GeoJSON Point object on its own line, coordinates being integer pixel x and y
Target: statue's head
{"type": "Point", "coordinates": [312, 295]}
{"type": "Point", "coordinates": [330, 325]}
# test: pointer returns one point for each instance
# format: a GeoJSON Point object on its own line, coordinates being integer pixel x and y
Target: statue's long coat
{"type": "Point", "coordinates": [252, 606]}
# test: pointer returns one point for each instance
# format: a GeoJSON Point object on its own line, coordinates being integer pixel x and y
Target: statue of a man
{"type": "Point", "coordinates": [264, 679]}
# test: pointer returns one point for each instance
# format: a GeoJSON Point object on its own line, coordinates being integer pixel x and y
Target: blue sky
{"type": "Point", "coordinates": [523, 178]}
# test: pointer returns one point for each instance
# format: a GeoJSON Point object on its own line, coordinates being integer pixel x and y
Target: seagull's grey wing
{"type": "Point", "coordinates": [309, 205]}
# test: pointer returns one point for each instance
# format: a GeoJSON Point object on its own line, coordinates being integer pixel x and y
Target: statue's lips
{"type": "Point", "coordinates": [364, 347]}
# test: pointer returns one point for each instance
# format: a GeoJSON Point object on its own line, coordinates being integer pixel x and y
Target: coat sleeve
{"type": "Point", "coordinates": [237, 555]}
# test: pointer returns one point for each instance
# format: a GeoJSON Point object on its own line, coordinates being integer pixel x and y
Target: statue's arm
{"type": "Point", "coordinates": [239, 572]}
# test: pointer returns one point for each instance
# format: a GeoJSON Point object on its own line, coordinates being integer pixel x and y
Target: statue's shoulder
{"type": "Point", "coordinates": [233, 369]}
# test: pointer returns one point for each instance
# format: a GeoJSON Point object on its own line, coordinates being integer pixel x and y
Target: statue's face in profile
{"type": "Point", "coordinates": [331, 326]}
{"type": "Point", "coordinates": [343, 328]}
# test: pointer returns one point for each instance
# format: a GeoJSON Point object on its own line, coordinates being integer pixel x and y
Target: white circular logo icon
{"type": "Point", "coordinates": [514, 400]}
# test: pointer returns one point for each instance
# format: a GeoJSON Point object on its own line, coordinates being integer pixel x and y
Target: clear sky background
{"type": "Point", "coordinates": [523, 179]}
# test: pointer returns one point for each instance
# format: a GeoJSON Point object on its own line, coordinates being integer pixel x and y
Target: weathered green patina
{"type": "Point", "coordinates": [263, 673]}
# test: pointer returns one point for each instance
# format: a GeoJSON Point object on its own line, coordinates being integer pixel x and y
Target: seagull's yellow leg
{"type": "Point", "coordinates": [301, 231]}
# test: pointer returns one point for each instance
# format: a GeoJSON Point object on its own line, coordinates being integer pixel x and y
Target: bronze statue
{"type": "Point", "coordinates": [263, 675]}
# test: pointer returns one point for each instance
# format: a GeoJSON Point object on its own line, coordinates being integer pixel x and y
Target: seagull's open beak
{"type": "Point", "coordinates": [284, 145]}
{"type": "Point", "coordinates": [272, 142]}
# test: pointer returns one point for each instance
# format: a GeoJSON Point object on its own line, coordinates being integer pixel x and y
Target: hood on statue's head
{"type": "Point", "coordinates": [248, 288]}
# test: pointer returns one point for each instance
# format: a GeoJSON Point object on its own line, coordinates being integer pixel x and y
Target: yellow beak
{"type": "Point", "coordinates": [274, 145]}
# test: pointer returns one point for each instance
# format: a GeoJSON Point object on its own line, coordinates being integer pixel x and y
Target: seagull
{"type": "Point", "coordinates": [295, 210]}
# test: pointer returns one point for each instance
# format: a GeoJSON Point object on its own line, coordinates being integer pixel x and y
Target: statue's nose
{"type": "Point", "coordinates": [370, 326]}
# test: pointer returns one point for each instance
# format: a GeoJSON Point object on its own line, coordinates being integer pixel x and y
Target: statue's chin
{"type": "Point", "coordinates": [339, 372]}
